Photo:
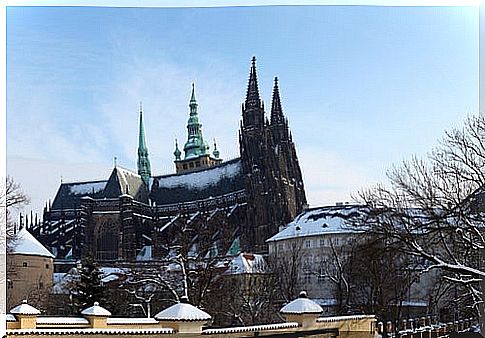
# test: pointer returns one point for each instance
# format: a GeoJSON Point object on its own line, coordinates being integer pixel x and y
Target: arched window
{"type": "Point", "coordinates": [107, 242]}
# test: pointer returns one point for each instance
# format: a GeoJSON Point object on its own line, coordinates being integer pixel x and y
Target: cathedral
{"type": "Point", "coordinates": [214, 207]}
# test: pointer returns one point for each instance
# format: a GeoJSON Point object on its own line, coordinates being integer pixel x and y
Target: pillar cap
{"type": "Point", "coordinates": [24, 309]}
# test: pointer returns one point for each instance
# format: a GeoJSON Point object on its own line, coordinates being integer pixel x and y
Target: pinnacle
{"type": "Point", "coordinates": [252, 96]}
{"type": "Point", "coordinates": [276, 110]}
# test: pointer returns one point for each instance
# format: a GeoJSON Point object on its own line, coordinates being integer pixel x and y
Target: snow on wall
{"type": "Point", "coordinates": [201, 179]}
{"type": "Point", "coordinates": [87, 188]}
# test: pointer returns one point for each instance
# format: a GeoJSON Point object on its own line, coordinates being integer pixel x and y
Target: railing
{"type": "Point", "coordinates": [424, 327]}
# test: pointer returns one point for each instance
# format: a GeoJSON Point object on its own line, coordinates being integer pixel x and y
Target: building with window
{"type": "Point", "coordinates": [29, 270]}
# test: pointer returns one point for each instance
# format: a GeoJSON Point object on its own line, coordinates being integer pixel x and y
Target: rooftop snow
{"type": "Point", "coordinates": [319, 221]}
{"type": "Point", "coordinates": [87, 188]}
{"type": "Point", "coordinates": [183, 312]}
{"type": "Point", "coordinates": [246, 263]}
{"type": "Point", "coordinates": [201, 179]}
{"type": "Point", "coordinates": [26, 244]}
{"type": "Point", "coordinates": [96, 310]}
{"type": "Point", "coordinates": [302, 305]}
{"type": "Point", "coordinates": [25, 309]}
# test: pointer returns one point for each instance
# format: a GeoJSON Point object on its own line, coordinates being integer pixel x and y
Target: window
{"type": "Point", "coordinates": [47, 266]}
{"type": "Point", "coordinates": [322, 242]}
{"type": "Point", "coordinates": [308, 244]}
{"type": "Point", "coordinates": [185, 166]}
{"type": "Point", "coordinates": [197, 164]}
{"type": "Point", "coordinates": [9, 284]}
{"type": "Point", "coordinates": [41, 285]}
{"type": "Point", "coordinates": [191, 164]}
{"type": "Point", "coordinates": [24, 264]}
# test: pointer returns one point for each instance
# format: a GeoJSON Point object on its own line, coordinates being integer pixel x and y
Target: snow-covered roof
{"type": "Point", "coordinates": [26, 244]}
{"type": "Point", "coordinates": [246, 263]}
{"type": "Point", "coordinates": [225, 178]}
{"type": "Point", "coordinates": [96, 310]}
{"type": "Point", "coordinates": [24, 309]}
{"type": "Point", "coordinates": [302, 305]}
{"type": "Point", "coordinates": [320, 221]}
{"type": "Point", "coordinates": [183, 311]}
{"type": "Point", "coordinates": [84, 188]}
{"type": "Point", "coordinates": [200, 180]}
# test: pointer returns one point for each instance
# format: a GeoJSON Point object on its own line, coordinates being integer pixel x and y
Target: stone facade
{"type": "Point", "coordinates": [245, 199]}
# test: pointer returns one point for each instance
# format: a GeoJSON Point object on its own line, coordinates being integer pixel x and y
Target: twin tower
{"type": "Point", "coordinates": [272, 176]}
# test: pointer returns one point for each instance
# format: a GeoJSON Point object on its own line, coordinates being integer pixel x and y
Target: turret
{"type": "Point", "coordinates": [196, 150]}
{"type": "Point", "coordinates": [177, 151]}
{"type": "Point", "coordinates": [144, 169]}
{"type": "Point", "coordinates": [195, 145]}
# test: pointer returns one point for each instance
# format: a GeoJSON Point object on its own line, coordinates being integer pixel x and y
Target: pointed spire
{"type": "Point", "coordinates": [144, 169]}
{"type": "Point", "coordinates": [215, 152]}
{"type": "Point", "coordinates": [193, 102]}
{"type": "Point", "coordinates": [276, 110]}
{"type": "Point", "coordinates": [252, 95]}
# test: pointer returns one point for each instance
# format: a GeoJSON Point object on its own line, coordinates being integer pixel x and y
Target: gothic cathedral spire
{"type": "Point", "coordinates": [143, 162]}
{"type": "Point", "coordinates": [253, 111]}
{"type": "Point", "coordinates": [276, 110]}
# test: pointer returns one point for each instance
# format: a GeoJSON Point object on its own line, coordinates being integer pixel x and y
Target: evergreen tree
{"type": "Point", "coordinates": [88, 288]}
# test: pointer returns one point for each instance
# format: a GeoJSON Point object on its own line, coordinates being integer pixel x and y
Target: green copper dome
{"type": "Point", "coordinates": [195, 145]}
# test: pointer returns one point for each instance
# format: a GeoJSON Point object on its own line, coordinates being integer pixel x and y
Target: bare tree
{"type": "Point", "coordinates": [14, 198]}
{"type": "Point", "coordinates": [434, 208]}
{"type": "Point", "coordinates": [287, 267]}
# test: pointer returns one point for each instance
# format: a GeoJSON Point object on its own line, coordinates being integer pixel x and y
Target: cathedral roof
{"type": "Point", "coordinates": [214, 181]}
{"type": "Point", "coordinates": [69, 194]}
{"type": "Point", "coordinates": [124, 181]}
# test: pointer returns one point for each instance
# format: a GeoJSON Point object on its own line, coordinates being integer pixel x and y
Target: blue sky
{"type": "Point", "coordinates": [363, 87]}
